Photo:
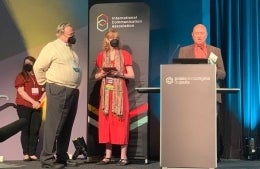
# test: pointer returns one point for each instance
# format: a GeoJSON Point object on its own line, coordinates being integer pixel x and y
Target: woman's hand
{"type": "Point", "coordinates": [36, 104]}
{"type": "Point", "coordinates": [118, 74]}
{"type": "Point", "coordinates": [100, 74]}
{"type": "Point", "coordinates": [114, 73]}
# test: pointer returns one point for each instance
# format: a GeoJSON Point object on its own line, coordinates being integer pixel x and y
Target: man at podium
{"type": "Point", "coordinates": [201, 50]}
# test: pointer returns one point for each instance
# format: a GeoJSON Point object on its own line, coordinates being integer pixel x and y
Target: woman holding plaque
{"type": "Point", "coordinates": [114, 67]}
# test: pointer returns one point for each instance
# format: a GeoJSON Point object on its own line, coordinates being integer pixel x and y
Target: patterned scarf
{"type": "Point", "coordinates": [117, 96]}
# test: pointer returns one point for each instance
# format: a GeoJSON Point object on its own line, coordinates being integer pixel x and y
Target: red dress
{"type": "Point", "coordinates": [114, 129]}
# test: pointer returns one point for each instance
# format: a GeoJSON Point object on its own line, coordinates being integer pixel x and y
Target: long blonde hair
{"type": "Point", "coordinates": [111, 33]}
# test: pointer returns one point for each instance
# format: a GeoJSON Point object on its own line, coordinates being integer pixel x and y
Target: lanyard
{"type": "Point", "coordinates": [34, 84]}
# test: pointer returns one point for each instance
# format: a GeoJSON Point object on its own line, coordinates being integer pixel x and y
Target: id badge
{"type": "Point", "coordinates": [109, 83]}
{"type": "Point", "coordinates": [76, 67]}
{"type": "Point", "coordinates": [35, 91]}
{"type": "Point", "coordinates": [109, 80]}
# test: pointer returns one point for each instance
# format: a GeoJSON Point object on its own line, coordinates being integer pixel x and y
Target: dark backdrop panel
{"type": "Point", "coordinates": [171, 24]}
{"type": "Point", "coordinates": [132, 20]}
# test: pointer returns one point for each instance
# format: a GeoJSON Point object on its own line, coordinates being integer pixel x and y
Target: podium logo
{"type": "Point", "coordinates": [102, 22]}
{"type": "Point", "coordinates": [169, 80]}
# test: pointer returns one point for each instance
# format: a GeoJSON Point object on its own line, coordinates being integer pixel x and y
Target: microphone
{"type": "Point", "coordinates": [174, 53]}
{"type": "Point", "coordinates": [11, 129]}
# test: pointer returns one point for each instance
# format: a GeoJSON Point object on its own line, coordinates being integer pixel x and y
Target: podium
{"type": "Point", "coordinates": [188, 116]}
{"type": "Point", "coordinates": [188, 112]}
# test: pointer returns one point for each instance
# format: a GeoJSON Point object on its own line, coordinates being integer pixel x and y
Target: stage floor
{"type": "Point", "coordinates": [224, 164]}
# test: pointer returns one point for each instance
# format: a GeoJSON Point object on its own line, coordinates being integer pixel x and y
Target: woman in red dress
{"type": "Point", "coordinates": [114, 66]}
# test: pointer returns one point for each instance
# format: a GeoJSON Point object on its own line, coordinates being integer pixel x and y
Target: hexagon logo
{"type": "Point", "coordinates": [102, 22]}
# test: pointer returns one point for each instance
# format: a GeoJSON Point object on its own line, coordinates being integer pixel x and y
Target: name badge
{"type": "Point", "coordinates": [35, 91]}
{"type": "Point", "coordinates": [76, 67]}
{"type": "Point", "coordinates": [109, 83]}
{"type": "Point", "coordinates": [109, 80]}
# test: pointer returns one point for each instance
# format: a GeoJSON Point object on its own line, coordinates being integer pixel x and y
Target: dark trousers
{"type": "Point", "coordinates": [62, 103]}
{"type": "Point", "coordinates": [30, 133]}
{"type": "Point", "coordinates": [219, 132]}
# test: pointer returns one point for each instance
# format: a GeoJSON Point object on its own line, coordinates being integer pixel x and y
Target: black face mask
{"type": "Point", "coordinates": [72, 40]}
{"type": "Point", "coordinates": [114, 43]}
{"type": "Point", "coordinates": [28, 67]}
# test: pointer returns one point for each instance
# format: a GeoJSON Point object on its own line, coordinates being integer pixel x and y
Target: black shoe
{"type": "Point", "coordinates": [71, 163]}
{"type": "Point", "coordinates": [122, 162]}
{"type": "Point", "coordinates": [68, 163]}
{"type": "Point", "coordinates": [105, 161]}
{"type": "Point", "coordinates": [53, 165]}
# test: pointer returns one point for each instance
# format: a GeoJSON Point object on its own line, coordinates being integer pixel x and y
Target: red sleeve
{"type": "Point", "coordinates": [19, 81]}
{"type": "Point", "coordinates": [99, 59]}
{"type": "Point", "coordinates": [127, 58]}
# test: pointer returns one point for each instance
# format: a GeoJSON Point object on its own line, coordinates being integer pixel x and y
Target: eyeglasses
{"type": "Point", "coordinates": [199, 33]}
{"type": "Point", "coordinates": [69, 34]}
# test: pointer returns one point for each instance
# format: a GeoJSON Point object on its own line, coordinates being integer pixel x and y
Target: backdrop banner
{"type": "Point", "coordinates": [132, 20]}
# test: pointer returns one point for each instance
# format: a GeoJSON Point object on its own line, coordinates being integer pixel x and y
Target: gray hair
{"type": "Point", "coordinates": [61, 27]}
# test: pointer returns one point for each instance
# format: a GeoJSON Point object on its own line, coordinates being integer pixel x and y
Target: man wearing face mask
{"type": "Point", "coordinates": [28, 100]}
{"type": "Point", "coordinates": [114, 66]}
{"type": "Point", "coordinates": [57, 68]}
